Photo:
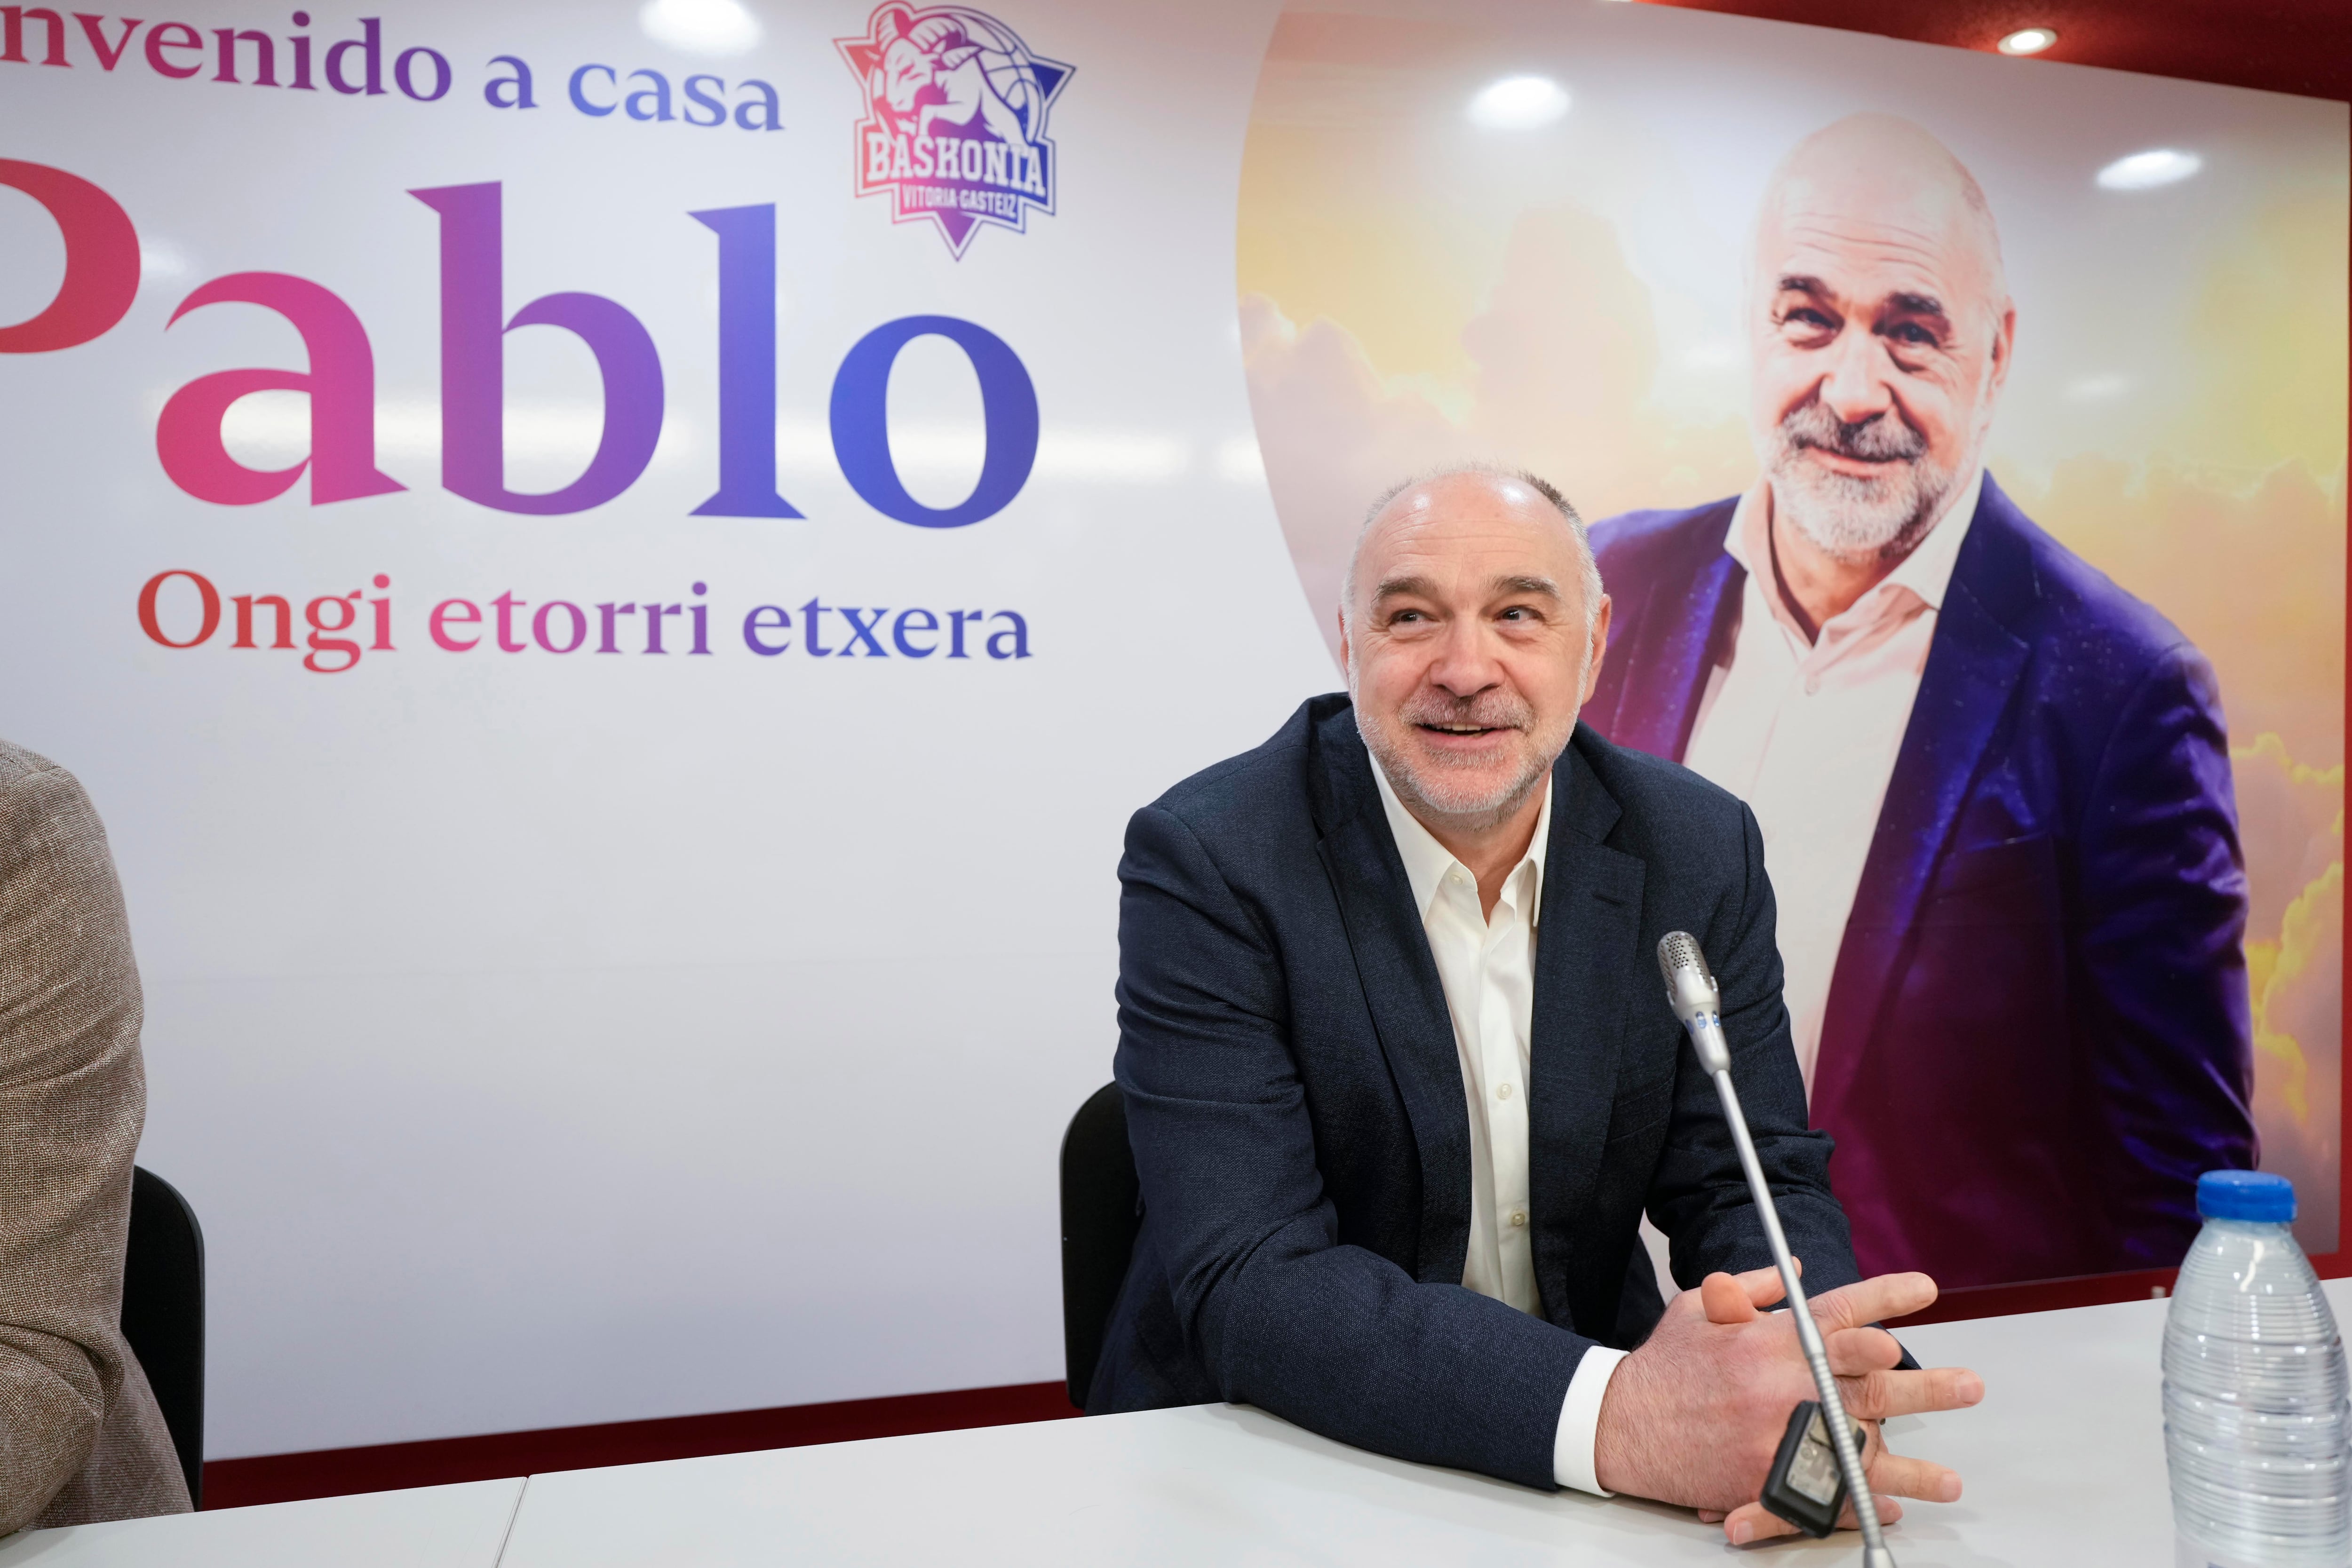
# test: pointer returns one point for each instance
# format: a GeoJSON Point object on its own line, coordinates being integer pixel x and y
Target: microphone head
{"type": "Point", "coordinates": [1691, 989]}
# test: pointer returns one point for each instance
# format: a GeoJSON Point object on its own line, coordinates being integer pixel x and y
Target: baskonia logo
{"type": "Point", "coordinates": [955, 119]}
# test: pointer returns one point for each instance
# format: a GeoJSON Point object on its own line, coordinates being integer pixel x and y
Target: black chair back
{"type": "Point", "coordinates": [163, 1313]}
{"type": "Point", "coordinates": [1099, 1219]}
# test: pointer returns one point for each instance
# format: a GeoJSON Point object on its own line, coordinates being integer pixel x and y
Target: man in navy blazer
{"type": "Point", "coordinates": [1395, 1150]}
{"type": "Point", "coordinates": [1995, 788]}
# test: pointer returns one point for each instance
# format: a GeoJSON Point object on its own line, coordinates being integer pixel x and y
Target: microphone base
{"type": "Point", "coordinates": [1877, 1557]}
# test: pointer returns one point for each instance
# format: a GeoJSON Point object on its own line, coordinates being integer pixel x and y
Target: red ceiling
{"type": "Point", "coordinates": [2284, 46]}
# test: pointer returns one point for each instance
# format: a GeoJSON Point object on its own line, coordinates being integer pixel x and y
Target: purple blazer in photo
{"type": "Point", "coordinates": [2037, 1033]}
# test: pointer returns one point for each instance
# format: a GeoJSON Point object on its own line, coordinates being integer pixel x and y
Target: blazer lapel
{"type": "Point", "coordinates": [1401, 989]}
{"type": "Point", "coordinates": [1973, 663]}
{"type": "Point", "coordinates": [1588, 961]}
{"type": "Point", "coordinates": [1682, 619]}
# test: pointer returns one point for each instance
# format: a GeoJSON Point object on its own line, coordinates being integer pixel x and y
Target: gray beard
{"type": "Point", "coordinates": [1849, 517]}
{"type": "Point", "coordinates": [1448, 799]}
{"type": "Point", "coordinates": [1440, 793]}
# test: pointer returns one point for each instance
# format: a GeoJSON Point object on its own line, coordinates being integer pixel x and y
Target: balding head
{"type": "Point", "coordinates": [1882, 181]}
{"type": "Point", "coordinates": [1880, 314]}
{"type": "Point", "coordinates": [1472, 624]}
{"type": "Point", "coordinates": [1414, 500]}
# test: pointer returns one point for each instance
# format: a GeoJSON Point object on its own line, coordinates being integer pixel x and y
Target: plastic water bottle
{"type": "Point", "coordinates": [2255, 1418]}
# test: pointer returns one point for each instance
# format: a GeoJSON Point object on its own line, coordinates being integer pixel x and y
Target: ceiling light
{"type": "Point", "coordinates": [1518, 103]}
{"type": "Point", "coordinates": [2028, 41]}
{"type": "Point", "coordinates": [700, 26]}
{"type": "Point", "coordinates": [2146, 171]}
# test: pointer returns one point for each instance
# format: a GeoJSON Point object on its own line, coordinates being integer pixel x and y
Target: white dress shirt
{"type": "Point", "coordinates": [1807, 734]}
{"type": "Point", "coordinates": [1486, 966]}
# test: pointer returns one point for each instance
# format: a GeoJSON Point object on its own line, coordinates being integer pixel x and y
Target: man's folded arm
{"type": "Point", "coordinates": [1334, 1337]}
{"type": "Point", "coordinates": [1699, 1196]}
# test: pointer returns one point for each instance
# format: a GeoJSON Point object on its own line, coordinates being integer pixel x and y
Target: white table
{"type": "Point", "coordinates": [2064, 1464]}
{"type": "Point", "coordinates": [427, 1527]}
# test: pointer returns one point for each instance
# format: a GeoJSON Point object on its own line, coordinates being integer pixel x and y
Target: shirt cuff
{"type": "Point", "coordinates": [1580, 1421]}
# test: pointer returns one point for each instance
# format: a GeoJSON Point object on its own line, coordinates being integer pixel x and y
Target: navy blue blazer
{"type": "Point", "coordinates": [1297, 1108]}
{"type": "Point", "coordinates": [2038, 1031]}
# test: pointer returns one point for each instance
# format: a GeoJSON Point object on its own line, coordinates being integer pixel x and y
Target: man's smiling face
{"type": "Point", "coordinates": [1882, 334]}
{"type": "Point", "coordinates": [1468, 643]}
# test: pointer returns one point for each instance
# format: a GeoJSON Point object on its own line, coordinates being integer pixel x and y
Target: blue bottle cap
{"type": "Point", "coordinates": [2245, 1195]}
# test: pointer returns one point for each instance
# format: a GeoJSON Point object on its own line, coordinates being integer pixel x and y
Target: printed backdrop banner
{"type": "Point", "coordinates": [1533, 233]}
{"type": "Point", "coordinates": [616, 572]}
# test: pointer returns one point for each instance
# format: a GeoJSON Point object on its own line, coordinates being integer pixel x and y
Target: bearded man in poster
{"type": "Point", "coordinates": [1994, 787]}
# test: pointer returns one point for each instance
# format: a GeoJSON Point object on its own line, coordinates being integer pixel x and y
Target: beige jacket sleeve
{"type": "Point", "coordinates": [81, 1436]}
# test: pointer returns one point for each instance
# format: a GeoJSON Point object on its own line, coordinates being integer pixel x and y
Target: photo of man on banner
{"type": "Point", "coordinates": [1995, 788]}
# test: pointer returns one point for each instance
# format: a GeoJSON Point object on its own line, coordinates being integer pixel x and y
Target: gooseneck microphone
{"type": "Point", "coordinates": [1692, 992]}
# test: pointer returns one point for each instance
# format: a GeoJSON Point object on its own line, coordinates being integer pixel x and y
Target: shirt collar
{"type": "Point", "coordinates": [1926, 572]}
{"type": "Point", "coordinates": [1426, 861]}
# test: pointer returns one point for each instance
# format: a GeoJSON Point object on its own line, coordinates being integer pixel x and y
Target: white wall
{"type": "Point", "coordinates": [547, 1041]}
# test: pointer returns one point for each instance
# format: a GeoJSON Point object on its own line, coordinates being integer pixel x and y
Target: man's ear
{"type": "Point", "coordinates": [2004, 344]}
{"type": "Point", "coordinates": [1596, 652]}
{"type": "Point", "coordinates": [1345, 653]}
